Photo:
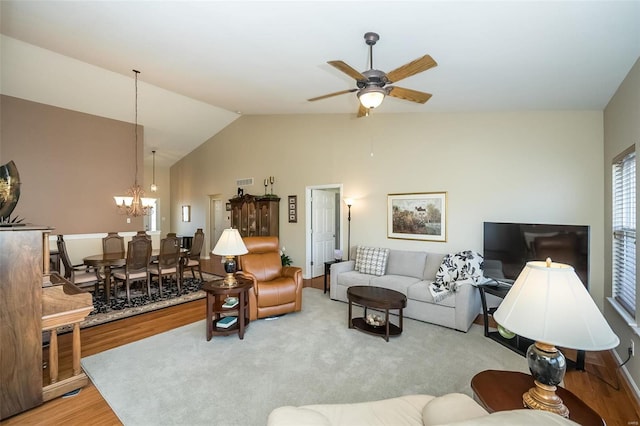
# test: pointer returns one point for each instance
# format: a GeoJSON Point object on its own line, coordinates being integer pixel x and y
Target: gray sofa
{"type": "Point", "coordinates": [410, 273]}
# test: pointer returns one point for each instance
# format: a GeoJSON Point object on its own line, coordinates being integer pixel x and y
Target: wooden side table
{"type": "Point", "coordinates": [502, 390]}
{"type": "Point", "coordinates": [216, 293]}
{"type": "Point", "coordinates": [327, 270]}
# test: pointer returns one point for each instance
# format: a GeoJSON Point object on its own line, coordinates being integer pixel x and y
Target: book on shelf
{"type": "Point", "coordinates": [226, 322]}
{"type": "Point", "coordinates": [230, 303]}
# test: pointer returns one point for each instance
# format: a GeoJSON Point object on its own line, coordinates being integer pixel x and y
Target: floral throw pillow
{"type": "Point", "coordinates": [371, 260]}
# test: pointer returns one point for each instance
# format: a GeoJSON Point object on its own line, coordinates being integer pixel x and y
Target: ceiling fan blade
{"type": "Point", "coordinates": [409, 95]}
{"type": "Point", "coordinates": [342, 92]}
{"type": "Point", "coordinates": [362, 111]}
{"type": "Point", "coordinates": [348, 70]}
{"type": "Point", "coordinates": [412, 68]}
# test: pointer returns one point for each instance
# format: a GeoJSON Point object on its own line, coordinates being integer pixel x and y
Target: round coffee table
{"type": "Point", "coordinates": [376, 298]}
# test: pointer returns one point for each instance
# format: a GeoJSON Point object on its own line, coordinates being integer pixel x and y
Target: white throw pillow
{"type": "Point", "coordinates": [371, 260]}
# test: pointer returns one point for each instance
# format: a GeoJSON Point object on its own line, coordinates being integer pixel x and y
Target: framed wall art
{"type": "Point", "coordinates": [292, 201]}
{"type": "Point", "coordinates": [417, 216]}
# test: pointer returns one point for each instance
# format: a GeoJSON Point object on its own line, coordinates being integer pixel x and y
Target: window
{"type": "Point", "coordinates": [624, 230]}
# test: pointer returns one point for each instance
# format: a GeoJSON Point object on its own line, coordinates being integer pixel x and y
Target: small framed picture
{"type": "Point", "coordinates": [293, 208]}
{"type": "Point", "coordinates": [228, 207]}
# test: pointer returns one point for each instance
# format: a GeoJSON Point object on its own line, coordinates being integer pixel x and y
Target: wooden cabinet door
{"type": "Point", "coordinates": [252, 219]}
{"type": "Point", "coordinates": [255, 216]}
{"type": "Point", "coordinates": [236, 214]}
{"type": "Point", "coordinates": [269, 217]}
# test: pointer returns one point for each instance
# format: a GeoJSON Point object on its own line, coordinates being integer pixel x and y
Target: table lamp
{"type": "Point", "coordinates": [549, 305]}
{"type": "Point", "coordinates": [230, 245]}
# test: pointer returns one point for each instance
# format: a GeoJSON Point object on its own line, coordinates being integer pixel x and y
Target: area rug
{"type": "Point", "coordinates": [309, 357]}
{"type": "Point", "coordinates": [119, 308]}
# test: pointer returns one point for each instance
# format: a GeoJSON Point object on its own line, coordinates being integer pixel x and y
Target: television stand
{"type": "Point", "coordinates": [518, 344]}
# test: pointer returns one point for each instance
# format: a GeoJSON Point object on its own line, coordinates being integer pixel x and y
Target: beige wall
{"type": "Point", "coordinates": [540, 167]}
{"type": "Point", "coordinates": [71, 165]}
{"type": "Point", "coordinates": [621, 130]}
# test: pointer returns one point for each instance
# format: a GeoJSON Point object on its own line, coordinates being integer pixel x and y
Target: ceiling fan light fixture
{"type": "Point", "coordinates": [371, 97]}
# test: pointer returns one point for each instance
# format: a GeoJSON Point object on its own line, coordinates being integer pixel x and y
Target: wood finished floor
{"type": "Point", "coordinates": [596, 386]}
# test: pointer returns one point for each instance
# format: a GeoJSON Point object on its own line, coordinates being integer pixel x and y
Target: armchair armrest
{"type": "Point", "coordinates": [291, 271]}
{"type": "Point", "coordinates": [295, 273]}
{"type": "Point", "coordinates": [249, 276]}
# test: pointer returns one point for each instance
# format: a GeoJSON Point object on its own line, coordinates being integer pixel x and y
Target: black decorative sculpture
{"type": "Point", "coordinates": [9, 192]}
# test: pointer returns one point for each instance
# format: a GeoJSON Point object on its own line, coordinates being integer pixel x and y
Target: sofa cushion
{"type": "Point", "coordinates": [420, 292]}
{"type": "Point", "coordinates": [394, 282]}
{"type": "Point", "coordinates": [296, 416]}
{"type": "Point", "coordinates": [401, 411]}
{"type": "Point", "coordinates": [434, 260]}
{"type": "Point", "coordinates": [451, 408]}
{"type": "Point", "coordinates": [371, 260]}
{"type": "Point", "coordinates": [354, 278]}
{"type": "Point", "coordinates": [408, 263]}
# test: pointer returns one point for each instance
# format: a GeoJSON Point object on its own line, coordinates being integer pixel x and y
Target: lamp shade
{"type": "Point", "coordinates": [348, 201]}
{"type": "Point", "coordinates": [548, 303]}
{"type": "Point", "coordinates": [371, 97]}
{"type": "Point", "coordinates": [230, 244]}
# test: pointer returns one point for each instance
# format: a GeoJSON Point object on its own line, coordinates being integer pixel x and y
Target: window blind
{"type": "Point", "coordinates": [624, 231]}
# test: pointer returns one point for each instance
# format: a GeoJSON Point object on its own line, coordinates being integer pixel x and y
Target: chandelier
{"type": "Point", "coordinates": [134, 204]}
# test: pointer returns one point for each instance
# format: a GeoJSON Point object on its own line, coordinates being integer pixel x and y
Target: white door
{"type": "Point", "coordinates": [322, 229]}
{"type": "Point", "coordinates": [217, 221]}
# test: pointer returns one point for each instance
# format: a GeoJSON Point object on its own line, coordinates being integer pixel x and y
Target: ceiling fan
{"type": "Point", "coordinates": [371, 83]}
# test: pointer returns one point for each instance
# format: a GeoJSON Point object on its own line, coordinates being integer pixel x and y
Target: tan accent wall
{"type": "Point", "coordinates": [621, 130]}
{"type": "Point", "coordinates": [71, 165]}
{"type": "Point", "coordinates": [532, 167]}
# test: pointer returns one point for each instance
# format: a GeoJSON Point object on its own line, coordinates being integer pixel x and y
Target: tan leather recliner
{"type": "Point", "coordinates": [276, 289]}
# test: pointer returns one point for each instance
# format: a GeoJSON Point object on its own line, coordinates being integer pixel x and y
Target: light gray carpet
{"type": "Point", "coordinates": [310, 357]}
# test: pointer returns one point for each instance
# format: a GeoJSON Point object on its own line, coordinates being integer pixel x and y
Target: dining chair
{"type": "Point", "coordinates": [113, 243]}
{"type": "Point", "coordinates": [142, 234]}
{"type": "Point", "coordinates": [80, 275]}
{"type": "Point", "coordinates": [192, 259]}
{"type": "Point", "coordinates": [168, 263]}
{"type": "Point", "coordinates": [137, 266]}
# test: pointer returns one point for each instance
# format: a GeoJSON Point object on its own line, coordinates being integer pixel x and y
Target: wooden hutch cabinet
{"type": "Point", "coordinates": [256, 216]}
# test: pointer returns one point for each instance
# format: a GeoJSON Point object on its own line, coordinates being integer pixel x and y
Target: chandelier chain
{"type": "Point", "coordinates": [135, 129]}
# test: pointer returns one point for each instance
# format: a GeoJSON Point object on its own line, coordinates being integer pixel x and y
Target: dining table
{"type": "Point", "coordinates": [107, 261]}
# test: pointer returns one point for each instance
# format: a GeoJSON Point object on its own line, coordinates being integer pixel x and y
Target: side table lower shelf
{"type": "Point", "coordinates": [221, 331]}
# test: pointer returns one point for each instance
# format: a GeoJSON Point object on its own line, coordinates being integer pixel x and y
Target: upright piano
{"type": "Point", "coordinates": [32, 301]}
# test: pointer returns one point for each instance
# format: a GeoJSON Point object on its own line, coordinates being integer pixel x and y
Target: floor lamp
{"type": "Point", "coordinates": [349, 203]}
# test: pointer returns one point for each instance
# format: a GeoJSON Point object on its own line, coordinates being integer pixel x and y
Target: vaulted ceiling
{"type": "Point", "coordinates": [219, 59]}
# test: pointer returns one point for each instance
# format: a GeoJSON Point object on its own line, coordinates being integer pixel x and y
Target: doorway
{"type": "Point", "coordinates": [322, 226]}
{"type": "Point", "coordinates": [217, 220]}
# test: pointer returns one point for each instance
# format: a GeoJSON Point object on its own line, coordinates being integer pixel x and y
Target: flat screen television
{"type": "Point", "coordinates": [509, 246]}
